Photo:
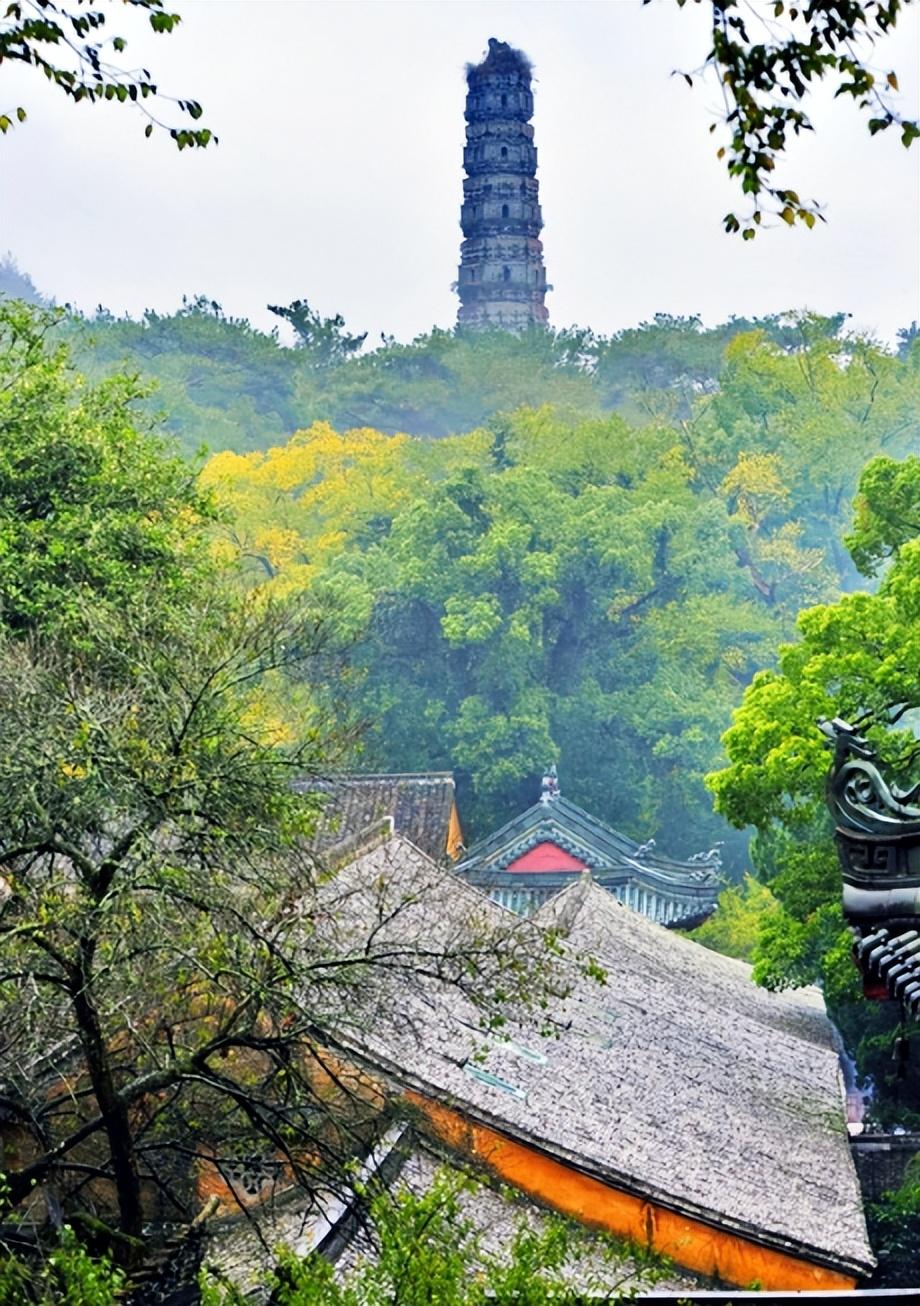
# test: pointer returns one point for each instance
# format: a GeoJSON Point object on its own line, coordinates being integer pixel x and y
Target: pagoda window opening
{"type": "Point", "coordinates": [504, 151]}
{"type": "Point", "coordinates": [504, 101]}
{"type": "Point", "coordinates": [505, 211]}
{"type": "Point", "coordinates": [506, 274]}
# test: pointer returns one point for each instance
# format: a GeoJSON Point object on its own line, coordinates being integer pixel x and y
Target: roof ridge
{"type": "Point", "coordinates": [564, 907]}
{"type": "Point", "coordinates": [357, 776]}
{"type": "Point", "coordinates": [597, 834]}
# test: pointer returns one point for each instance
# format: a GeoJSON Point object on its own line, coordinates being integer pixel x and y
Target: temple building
{"type": "Point", "coordinates": [420, 805]}
{"type": "Point", "coordinates": [658, 1095]}
{"type": "Point", "coordinates": [670, 1102]}
{"type": "Point", "coordinates": [538, 853]}
{"type": "Point", "coordinates": [502, 281]}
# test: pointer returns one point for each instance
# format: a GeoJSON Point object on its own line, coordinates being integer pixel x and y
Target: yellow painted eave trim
{"type": "Point", "coordinates": [702, 1248]}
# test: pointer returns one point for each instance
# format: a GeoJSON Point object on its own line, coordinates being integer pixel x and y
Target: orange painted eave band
{"type": "Point", "coordinates": [702, 1248]}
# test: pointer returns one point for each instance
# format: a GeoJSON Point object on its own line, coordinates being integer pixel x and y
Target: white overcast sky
{"type": "Point", "coordinates": [338, 173]}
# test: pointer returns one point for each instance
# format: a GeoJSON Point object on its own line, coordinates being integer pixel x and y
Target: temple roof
{"type": "Point", "coordinates": [245, 1249]}
{"type": "Point", "coordinates": [598, 845]}
{"type": "Point", "coordinates": [675, 1079]}
{"type": "Point", "coordinates": [593, 922]}
{"type": "Point", "coordinates": [419, 805]}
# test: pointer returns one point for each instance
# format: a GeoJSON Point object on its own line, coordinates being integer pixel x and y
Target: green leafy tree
{"type": "Point", "coordinates": [856, 658]}
{"type": "Point", "coordinates": [96, 514]}
{"type": "Point", "coordinates": [547, 587]}
{"type": "Point", "coordinates": [814, 409]}
{"type": "Point", "coordinates": [894, 1227]}
{"type": "Point", "coordinates": [212, 380]}
{"type": "Point", "coordinates": [69, 44]}
{"type": "Point", "coordinates": [70, 1275]}
{"type": "Point", "coordinates": [562, 580]}
{"type": "Point", "coordinates": [429, 1249]}
{"type": "Point", "coordinates": [162, 988]}
{"type": "Point", "coordinates": [324, 339]}
{"type": "Point", "coordinates": [767, 63]}
{"type": "Point", "coordinates": [453, 381]}
{"type": "Point", "coordinates": [739, 921]}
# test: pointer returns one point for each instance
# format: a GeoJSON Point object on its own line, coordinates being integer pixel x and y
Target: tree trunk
{"type": "Point", "coordinates": [111, 1108]}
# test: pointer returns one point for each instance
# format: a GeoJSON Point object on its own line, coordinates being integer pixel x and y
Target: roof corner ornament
{"type": "Point", "coordinates": [860, 800]}
{"type": "Point", "coordinates": [550, 790]}
{"type": "Point", "coordinates": [710, 863]}
{"type": "Point", "coordinates": [877, 831]}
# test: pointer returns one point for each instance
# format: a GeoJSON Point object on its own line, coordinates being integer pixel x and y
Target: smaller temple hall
{"type": "Point", "coordinates": [548, 846]}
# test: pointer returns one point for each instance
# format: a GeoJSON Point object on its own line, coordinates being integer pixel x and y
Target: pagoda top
{"type": "Point", "coordinates": [500, 58]}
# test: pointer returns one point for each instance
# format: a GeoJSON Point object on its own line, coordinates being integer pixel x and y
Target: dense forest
{"type": "Point", "coordinates": [529, 547]}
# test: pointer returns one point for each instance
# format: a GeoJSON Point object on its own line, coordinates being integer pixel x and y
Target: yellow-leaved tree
{"type": "Point", "coordinates": [299, 504]}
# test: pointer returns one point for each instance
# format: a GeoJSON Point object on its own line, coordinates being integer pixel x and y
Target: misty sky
{"type": "Point", "coordinates": [338, 174]}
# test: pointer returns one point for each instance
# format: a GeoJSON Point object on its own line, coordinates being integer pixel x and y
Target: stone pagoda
{"type": "Point", "coordinates": [502, 279]}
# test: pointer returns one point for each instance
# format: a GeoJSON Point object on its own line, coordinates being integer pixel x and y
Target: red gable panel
{"type": "Point", "coordinates": [547, 856]}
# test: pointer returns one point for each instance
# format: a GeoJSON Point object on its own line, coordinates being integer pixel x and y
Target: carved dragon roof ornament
{"type": "Point", "coordinates": [877, 829]}
{"type": "Point", "coordinates": [857, 795]}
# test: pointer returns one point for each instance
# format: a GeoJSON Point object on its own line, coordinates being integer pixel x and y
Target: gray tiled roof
{"type": "Point", "coordinates": [596, 924]}
{"type": "Point", "coordinates": [889, 957]}
{"type": "Point", "coordinates": [676, 1079]}
{"type": "Point", "coordinates": [419, 805]}
{"type": "Point", "coordinates": [597, 843]}
{"type": "Point", "coordinates": [243, 1247]}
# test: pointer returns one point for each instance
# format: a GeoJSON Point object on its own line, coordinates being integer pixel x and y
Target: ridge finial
{"type": "Point", "coordinates": [550, 790]}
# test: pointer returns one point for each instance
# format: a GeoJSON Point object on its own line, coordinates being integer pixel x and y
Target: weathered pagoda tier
{"type": "Point", "coordinates": [502, 281]}
{"type": "Point", "coordinates": [543, 850]}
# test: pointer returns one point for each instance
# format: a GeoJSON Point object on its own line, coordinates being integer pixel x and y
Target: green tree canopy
{"type": "Point", "coordinates": [96, 514]}
{"type": "Point", "coordinates": [324, 339]}
{"type": "Point", "coordinates": [767, 65]}
{"type": "Point", "coordinates": [857, 658]}
{"type": "Point", "coordinates": [69, 44]}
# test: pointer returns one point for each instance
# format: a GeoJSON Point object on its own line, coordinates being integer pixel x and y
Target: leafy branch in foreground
{"type": "Point", "coordinates": [426, 1247]}
{"type": "Point", "coordinates": [176, 969]}
{"type": "Point", "coordinates": [768, 58]}
{"type": "Point", "coordinates": [67, 44]}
